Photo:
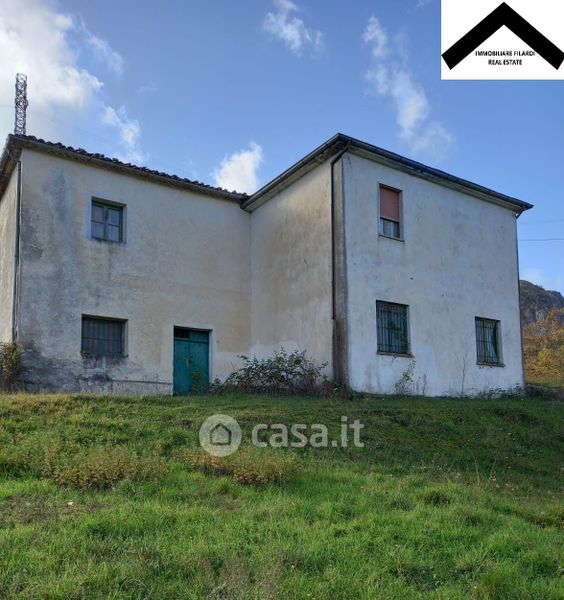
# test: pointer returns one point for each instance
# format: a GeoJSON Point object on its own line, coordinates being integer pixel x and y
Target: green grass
{"type": "Point", "coordinates": [102, 498]}
{"type": "Point", "coordinates": [546, 381]}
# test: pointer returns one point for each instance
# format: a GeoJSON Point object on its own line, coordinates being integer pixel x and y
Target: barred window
{"type": "Point", "coordinates": [103, 337]}
{"type": "Point", "coordinates": [391, 322]}
{"type": "Point", "coordinates": [487, 341]}
{"type": "Point", "coordinates": [107, 221]}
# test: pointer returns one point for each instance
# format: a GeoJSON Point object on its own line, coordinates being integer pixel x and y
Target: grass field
{"type": "Point", "coordinates": [547, 381]}
{"type": "Point", "coordinates": [447, 499]}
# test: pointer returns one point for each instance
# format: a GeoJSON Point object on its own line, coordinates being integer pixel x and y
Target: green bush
{"type": "Point", "coordinates": [282, 373]}
{"type": "Point", "coordinates": [10, 366]}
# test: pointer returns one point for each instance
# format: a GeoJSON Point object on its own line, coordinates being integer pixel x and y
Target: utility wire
{"type": "Point", "coordinates": [540, 222]}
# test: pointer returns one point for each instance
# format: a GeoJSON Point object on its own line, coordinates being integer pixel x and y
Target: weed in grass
{"type": "Point", "coordinates": [103, 468]}
{"type": "Point", "coordinates": [249, 466]}
{"type": "Point", "coordinates": [42, 509]}
{"type": "Point", "coordinates": [70, 465]}
{"type": "Point", "coordinates": [435, 497]}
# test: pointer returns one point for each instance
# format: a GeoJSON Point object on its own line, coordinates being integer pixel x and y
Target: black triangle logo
{"type": "Point", "coordinates": [504, 15]}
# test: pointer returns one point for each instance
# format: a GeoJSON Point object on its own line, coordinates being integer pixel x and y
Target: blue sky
{"type": "Point", "coordinates": [232, 93]}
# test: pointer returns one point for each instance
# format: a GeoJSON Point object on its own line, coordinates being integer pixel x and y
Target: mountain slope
{"type": "Point", "coordinates": [536, 301]}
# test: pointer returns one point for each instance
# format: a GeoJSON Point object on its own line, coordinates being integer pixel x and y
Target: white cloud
{"type": "Point", "coordinates": [286, 27]}
{"type": "Point", "coordinates": [104, 52]}
{"type": "Point", "coordinates": [129, 131]}
{"type": "Point", "coordinates": [239, 171]}
{"type": "Point", "coordinates": [376, 35]}
{"type": "Point", "coordinates": [67, 102]}
{"type": "Point", "coordinates": [390, 76]}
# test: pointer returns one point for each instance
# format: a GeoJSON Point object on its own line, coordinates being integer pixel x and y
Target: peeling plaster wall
{"type": "Point", "coordinates": [291, 269]}
{"type": "Point", "coordinates": [458, 261]}
{"type": "Point", "coordinates": [185, 262]}
{"type": "Point", "coordinates": [7, 242]}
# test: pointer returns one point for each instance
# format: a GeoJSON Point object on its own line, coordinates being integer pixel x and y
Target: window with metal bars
{"type": "Point", "coordinates": [392, 329]}
{"type": "Point", "coordinates": [103, 337]}
{"type": "Point", "coordinates": [487, 341]}
{"type": "Point", "coordinates": [107, 221]}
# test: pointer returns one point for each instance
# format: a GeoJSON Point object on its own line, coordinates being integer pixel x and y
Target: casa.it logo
{"type": "Point", "coordinates": [483, 39]}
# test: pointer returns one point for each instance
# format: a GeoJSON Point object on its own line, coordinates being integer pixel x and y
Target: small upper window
{"type": "Point", "coordinates": [487, 341]}
{"type": "Point", "coordinates": [107, 221]}
{"type": "Point", "coordinates": [103, 337]}
{"type": "Point", "coordinates": [391, 322]}
{"type": "Point", "coordinates": [390, 212]}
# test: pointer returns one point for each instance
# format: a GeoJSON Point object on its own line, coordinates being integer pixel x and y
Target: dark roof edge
{"type": "Point", "coordinates": [297, 170]}
{"type": "Point", "coordinates": [417, 169]}
{"type": "Point", "coordinates": [15, 143]}
{"type": "Point", "coordinates": [8, 161]}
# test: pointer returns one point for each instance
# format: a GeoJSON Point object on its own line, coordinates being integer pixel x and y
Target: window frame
{"type": "Point", "coordinates": [381, 233]}
{"type": "Point", "coordinates": [107, 205]}
{"type": "Point", "coordinates": [380, 342]}
{"type": "Point", "coordinates": [87, 352]}
{"type": "Point", "coordinates": [499, 352]}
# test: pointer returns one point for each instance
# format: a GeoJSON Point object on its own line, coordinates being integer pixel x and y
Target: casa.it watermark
{"type": "Point", "coordinates": [221, 435]}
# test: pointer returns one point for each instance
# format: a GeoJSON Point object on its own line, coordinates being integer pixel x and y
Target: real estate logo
{"type": "Point", "coordinates": [220, 435]}
{"type": "Point", "coordinates": [486, 39]}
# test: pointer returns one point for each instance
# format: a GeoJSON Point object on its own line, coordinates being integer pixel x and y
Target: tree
{"type": "Point", "coordinates": [543, 343]}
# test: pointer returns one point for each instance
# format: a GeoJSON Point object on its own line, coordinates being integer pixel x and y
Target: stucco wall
{"type": "Point", "coordinates": [7, 239]}
{"type": "Point", "coordinates": [458, 261]}
{"type": "Point", "coordinates": [291, 269]}
{"type": "Point", "coordinates": [185, 262]}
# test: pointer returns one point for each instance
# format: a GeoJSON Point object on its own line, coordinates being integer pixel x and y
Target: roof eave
{"type": "Point", "coordinates": [391, 159]}
{"type": "Point", "coordinates": [422, 171]}
{"type": "Point", "coordinates": [17, 143]}
{"type": "Point", "coordinates": [296, 171]}
{"type": "Point", "coordinates": [8, 160]}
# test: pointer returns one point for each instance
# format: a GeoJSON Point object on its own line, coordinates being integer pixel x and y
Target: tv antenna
{"type": "Point", "coordinates": [21, 103]}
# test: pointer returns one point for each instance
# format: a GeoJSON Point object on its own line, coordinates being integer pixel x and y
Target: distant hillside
{"type": "Point", "coordinates": [536, 301]}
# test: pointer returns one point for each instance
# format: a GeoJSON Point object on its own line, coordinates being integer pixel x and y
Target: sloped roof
{"type": "Point", "coordinates": [15, 143]}
{"type": "Point", "coordinates": [341, 142]}
{"type": "Point", "coordinates": [338, 143]}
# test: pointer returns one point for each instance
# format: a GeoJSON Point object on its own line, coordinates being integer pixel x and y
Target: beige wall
{"type": "Point", "coordinates": [185, 262]}
{"type": "Point", "coordinates": [7, 241]}
{"type": "Point", "coordinates": [291, 269]}
{"type": "Point", "coordinates": [258, 281]}
{"type": "Point", "coordinates": [458, 261]}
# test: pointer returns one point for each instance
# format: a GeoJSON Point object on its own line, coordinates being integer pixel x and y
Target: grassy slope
{"type": "Point", "coordinates": [546, 381]}
{"type": "Point", "coordinates": [448, 499]}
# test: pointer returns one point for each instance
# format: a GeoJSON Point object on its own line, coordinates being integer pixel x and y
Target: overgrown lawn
{"type": "Point", "coordinates": [110, 497]}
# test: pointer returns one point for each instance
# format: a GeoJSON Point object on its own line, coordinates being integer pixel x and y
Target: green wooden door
{"type": "Point", "coordinates": [191, 361]}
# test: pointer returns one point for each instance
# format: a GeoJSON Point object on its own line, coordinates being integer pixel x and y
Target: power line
{"type": "Point", "coordinates": [543, 240]}
{"type": "Point", "coordinates": [540, 222]}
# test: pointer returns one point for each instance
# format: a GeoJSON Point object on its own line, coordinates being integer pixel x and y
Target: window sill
{"type": "Point", "coordinates": [484, 364]}
{"type": "Point", "coordinates": [96, 239]}
{"type": "Point", "coordinates": [397, 354]}
{"type": "Point", "coordinates": [391, 237]}
{"type": "Point", "coordinates": [114, 358]}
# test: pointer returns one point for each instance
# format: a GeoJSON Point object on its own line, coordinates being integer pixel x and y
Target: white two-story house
{"type": "Point", "coordinates": [117, 278]}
